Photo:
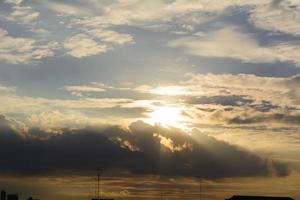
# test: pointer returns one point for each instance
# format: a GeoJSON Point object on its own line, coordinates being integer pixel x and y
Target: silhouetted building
{"type": "Point", "coordinates": [30, 198]}
{"type": "Point", "coordinates": [241, 197]}
{"type": "Point", "coordinates": [101, 199]}
{"type": "Point", "coordinates": [12, 197]}
{"type": "Point", "coordinates": [3, 195]}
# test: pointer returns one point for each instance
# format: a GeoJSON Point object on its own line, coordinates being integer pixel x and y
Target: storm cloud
{"type": "Point", "coordinates": [139, 149]}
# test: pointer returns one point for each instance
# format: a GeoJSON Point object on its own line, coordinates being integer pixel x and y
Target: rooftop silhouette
{"type": "Point", "coordinates": [5, 196]}
{"type": "Point", "coordinates": [245, 197]}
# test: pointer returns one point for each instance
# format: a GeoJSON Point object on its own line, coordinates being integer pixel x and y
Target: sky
{"type": "Point", "coordinates": [163, 96]}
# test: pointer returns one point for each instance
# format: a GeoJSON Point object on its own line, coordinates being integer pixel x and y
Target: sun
{"type": "Point", "coordinates": [167, 116]}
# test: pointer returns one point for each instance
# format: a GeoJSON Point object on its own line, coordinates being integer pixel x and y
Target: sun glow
{"type": "Point", "coordinates": [169, 90]}
{"type": "Point", "coordinates": [167, 116]}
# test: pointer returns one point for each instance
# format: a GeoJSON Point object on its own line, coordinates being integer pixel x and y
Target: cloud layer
{"type": "Point", "coordinates": [18, 50]}
{"type": "Point", "coordinates": [230, 42]}
{"type": "Point", "coordinates": [98, 27]}
{"type": "Point", "coordinates": [141, 149]}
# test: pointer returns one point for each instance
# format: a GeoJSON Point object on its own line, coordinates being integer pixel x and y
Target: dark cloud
{"type": "Point", "coordinates": [294, 89]}
{"type": "Point", "coordinates": [264, 106]}
{"type": "Point", "coordinates": [275, 3]}
{"type": "Point", "coordinates": [140, 149]}
{"type": "Point", "coordinates": [230, 100]}
{"type": "Point", "coordinates": [207, 109]}
{"type": "Point", "coordinates": [295, 79]}
{"type": "Point", "coordinates": [267, 118]}
{"type": "Point", "coordinates": [234, 100]}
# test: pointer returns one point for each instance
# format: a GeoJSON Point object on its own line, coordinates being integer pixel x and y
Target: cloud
{"type": "Point", "coordinates": [285, 118]}
{"type": "Point", "coordinates": [229, 88]}
{"type": "Point", "coordinates": [65, 9]}
{"type": "Point", "coordinates": [76, 111]}
{"type": "Point", "coordinates": [278, 16]}
{"type": "Point", "coordinates": [92, 88]}
{"type": "Point", "coordinates": [214, 99]}
{"type": "Point", "coordinates": [264, 106]}
{"type": "Point", "coordinates": [169, 90]}
{"type": "Point", "coordinates": [54, 120]}
{"type": "Point", "coordinates": [81, 45]}
{"type": "Point", "coordinates": [247, 99]}
{"type": "Point", "coordinates": [96, 41]}
{"type": "Point", "coordinates": [7, 89]}
{"type": "Point", "coordinates": [234, 100]}
{"type": "Point", "coordinates": [141, 149]}
{"type": "Point", "coordinates": [96, 24]}
{"type": "Point", "coordinates": [24, 14]}
{"type": "Point", "coordinates": [57, 113]}
{"type": "Point", "coordinates": [21, 14]}
{"type": "Point", "coordinates": [183, 13]}
{"type": "Point", "coordinates": [282, 91]}
{"type": "Point", "coordinates": [79, 90]}
{"type": "Point", "coordinates": [232, 42]}
{"type": "Point", "coordinates": [206, 98]}
{"type": "Point", "coordinates": [16, 2]}
{"type": "Point", "coordinates": [119, 111]}
{"type": "Point", "coordinates": [19, 50]}
{"type": "Point", "coordinates": [27, 103]}
{"type": "Point", "coordinates": [111, 37]}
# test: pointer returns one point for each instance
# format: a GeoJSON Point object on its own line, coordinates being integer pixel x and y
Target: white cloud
{"type": "Point", "coordinates": [7, 90]}
{"type": "Point", "coordinates": [59, 111]}
{"type": "Point", "coordinates": [15, 2]}
{"type": "Point", "coordinates": [79, 90]}
{"type": "Point", "coordinates": [81, 45]}
{"type": "Point", "coordinates": [40, 32]}
{"type": "Point", "coordinates": [95, 41]}
{"type": "Point", "coordinates": [251, 99]}
{"type": "Point", "coordinates": [20, 13]}
{"type": "Point", "coordinates": [93, 19]}
{"type": "Point", "coordinates": [275, 89]}
{"type": "Point", "coordinates": [232, 42]}
{"type": "Point", "coordinates": [16, 50]}
{"type": "Point", "coordinates": [65, 9]}
{"type": "Point", "coordinates": [281, 91]}
{"type": "Point", "coordinates": [24, 14]}
{"type": "Point", "coordinates": [142, 12]}
{"type": "Point", "coordinates": [53, 119]}
{"type": "Point", "coordinates": [111, 37]}
{"type": "Point", "coordinates": [237, 99]}
{"type": "Point", "coordinates": [278, 16]}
